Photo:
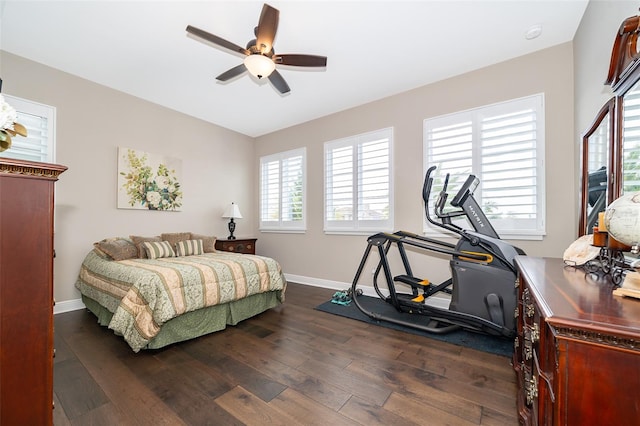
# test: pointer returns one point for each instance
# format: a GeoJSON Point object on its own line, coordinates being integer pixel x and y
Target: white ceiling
{"type": "Point", "coordinates": [374, 48]}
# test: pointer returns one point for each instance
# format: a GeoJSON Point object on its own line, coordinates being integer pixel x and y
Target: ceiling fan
{"type": "Point", "coordinates": [261, 59]}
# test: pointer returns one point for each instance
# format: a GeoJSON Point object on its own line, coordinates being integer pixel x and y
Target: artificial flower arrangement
{"type": "Point", "coordinates": [8, 125]}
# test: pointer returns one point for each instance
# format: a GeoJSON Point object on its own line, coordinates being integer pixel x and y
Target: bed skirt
{"type": "Point", "coordinates": [198, 323]}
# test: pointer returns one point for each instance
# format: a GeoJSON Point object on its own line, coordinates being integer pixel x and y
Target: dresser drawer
{"type": "Point", "coordinates": [244, 246]}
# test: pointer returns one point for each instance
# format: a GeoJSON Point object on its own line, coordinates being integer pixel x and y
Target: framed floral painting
{"type": "Point", "coordinates": [148, 181]}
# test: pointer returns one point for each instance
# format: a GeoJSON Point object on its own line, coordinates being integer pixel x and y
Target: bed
{"type": "Point", "coordinates": [157, 300]}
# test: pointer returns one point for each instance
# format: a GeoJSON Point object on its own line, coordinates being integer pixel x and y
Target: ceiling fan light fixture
{"type": "Point", "coordinates": [259, 65]}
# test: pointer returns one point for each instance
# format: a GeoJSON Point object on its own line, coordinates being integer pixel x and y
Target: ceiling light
{"type": "Point", "coordinates": [259, 65]}
{"type": "Point", "coordinates": [533, 32]}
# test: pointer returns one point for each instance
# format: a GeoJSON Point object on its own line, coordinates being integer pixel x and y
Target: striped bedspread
{"type": "Point", "coordinates": [143, 294]}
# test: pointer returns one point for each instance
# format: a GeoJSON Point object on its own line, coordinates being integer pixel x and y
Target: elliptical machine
{"type": "Point", "coordinates": [483, 274]}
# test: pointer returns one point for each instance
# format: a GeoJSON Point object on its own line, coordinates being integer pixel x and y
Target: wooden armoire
{"type": "Point", "coordinates": [26, 291]}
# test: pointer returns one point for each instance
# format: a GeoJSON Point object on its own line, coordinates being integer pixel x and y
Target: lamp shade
{"type": "Point", "coordinates": [232, 211]}
{"type": "Point", "coordinates": [258, 65]}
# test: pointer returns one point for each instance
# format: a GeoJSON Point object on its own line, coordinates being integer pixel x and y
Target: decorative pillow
{"type": "Point", "coordinates": [156, 250]}
{"type": "Point", "coordinates": [189, 248]}
{"type": "Point", "coordinates": [208, 243]}
{"type": "Point", "coordinates": [117, 248]}
{"type": "Point", "coordinates": [142, 254]}
{"type": "Point", "coordinates": [175, 237]}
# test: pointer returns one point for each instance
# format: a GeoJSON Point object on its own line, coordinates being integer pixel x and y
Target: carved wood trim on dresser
{"type": "Point", "coordinates": [26, 291]}
{"type": "Point", "coordinates": [577, 353]}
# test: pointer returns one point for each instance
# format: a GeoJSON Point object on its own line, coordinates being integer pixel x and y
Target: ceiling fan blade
{"type": "Point", "coordinates": [278, 82]}
{"type": "Point", "coordinates": [266, 29]}
{"type": "Point", "coordinates": [216, 40]}
{"type": "Point", "coordinates": [229, 74]}
{"type": "Point", "coordinates": [301, 60]}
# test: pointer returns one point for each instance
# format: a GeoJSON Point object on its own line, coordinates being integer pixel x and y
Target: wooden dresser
{"type": "Point", "coordinates": [577, 354]}
{"type": "Point", "coordinates": [26, 291]}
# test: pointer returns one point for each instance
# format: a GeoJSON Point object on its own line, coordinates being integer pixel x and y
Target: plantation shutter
{"type": "Point", "coordinates": [282, 187]}
{"type": "Point", "coordinates": [501, 144]}
{"type": "Point", "coordinates": [358, 183]}
{"type": "Point", "coordinates": [292, 189]}
{"type": "Point", "coordinates": [373, 179]}
{"type": "Point", "coordinates": [39, 120]}
{"type": "Point", "coordinates": [631, 143]}
{"type": "Point", "coordinates": [270, 194]}
{"type": "Point", "coordinates": [509, 167]}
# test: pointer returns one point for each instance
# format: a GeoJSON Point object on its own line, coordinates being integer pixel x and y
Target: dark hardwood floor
{"type": "Point", "coordinates": [292, 365]}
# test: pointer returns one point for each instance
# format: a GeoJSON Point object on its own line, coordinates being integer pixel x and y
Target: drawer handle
{"type": "Point", "coordinates": [545, 378]}
{"type": "Point", "coordinates": [530, 310]}
{"type": "Point", "coordinates": [532, 334]}
{"type": "Point", "coordinates": [531, 389]}
{"type": "Point", "coordinates": [528, 349]}
{"type": "Point", "coordinates": [535, 333]}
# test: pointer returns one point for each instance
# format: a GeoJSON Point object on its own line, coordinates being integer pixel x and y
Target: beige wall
{"type": "Point", "coordinates": [334, 258]}
{"type": "Point", "coordinates": [220, 166]}
{"type": "Point", "coordinates": [92, 121]}
{"type": "Point", "coordinates": [592, 51]}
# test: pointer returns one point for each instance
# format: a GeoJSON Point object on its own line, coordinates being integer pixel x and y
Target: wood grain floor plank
{"type": "Point", "coordinates": [425, 413]}
{"type": "Point", "coordinates": [318, 387]}
{"type": "Point", "coordinates": [107, 364]}
{"type": "Point", "coordinates": [459, 368]}
{"type": "Point", "coordinates": [76, 389]}
{"type": "Point", "coordinates": [368, 414]}
{"type": "Point", "coordinates": [290, 365]}
{"type": "Point", "coordinates": [252, 410]}
{"type": "Point", "coordinates": [352, 382]}
{"type": "Point", "coordinates": [59, 415]}
{"type": "Point", "coordinates": [105, 415]}
{"type": "Point", "coordinates": [413, 383]}
{"type": "Point", "coordinates": [308, 411]}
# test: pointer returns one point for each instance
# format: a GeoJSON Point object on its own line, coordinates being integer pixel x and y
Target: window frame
{"type": "Point", "coordinates": [28, 107]}
{"type": "Point", "coordinates": [282, 225]}
{"type": "Point", "coordinates": [475, 115]}
{"type": "Point", "coordinates": [356, 226]}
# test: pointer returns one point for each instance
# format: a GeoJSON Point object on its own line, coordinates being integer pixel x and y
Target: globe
{"type": "Point", "coordinates": [622, 219]}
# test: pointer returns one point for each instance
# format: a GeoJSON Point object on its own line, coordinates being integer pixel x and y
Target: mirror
{"type": "Point", "coordinates": [629, 167]}
{"type": "Point", "coordinates": [610, 163]}
{"type": "Point", "coordinates": [597, 146]}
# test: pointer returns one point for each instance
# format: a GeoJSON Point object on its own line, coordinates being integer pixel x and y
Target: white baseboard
{"type": "Point", "coordinates": [68, 306]}
{"type": "Point", "coordinates": [436, 300]}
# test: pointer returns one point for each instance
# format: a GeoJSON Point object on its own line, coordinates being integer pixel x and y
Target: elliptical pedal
{"type": "Point", "coordinates": [415, 283]}
{"type": "Point", "coordinates": [412, 281]}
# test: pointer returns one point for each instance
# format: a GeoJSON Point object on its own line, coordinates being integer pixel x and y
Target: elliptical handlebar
{"type": "Point", "coordinates": [426, 193]}
{"type": "Point", "coordinates": [440, 204]}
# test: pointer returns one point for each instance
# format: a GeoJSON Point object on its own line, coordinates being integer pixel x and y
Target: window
{"type": "Point", "coordinates": [631, 142]}
{"type": "Point", "coordinates": [282, 191]}
{"type": "Point", "coordinates": [503, 145]}
{"type": "Point", "coordinates": [358, 183]}
{"type": "Point", "coordinates": [39, 120]}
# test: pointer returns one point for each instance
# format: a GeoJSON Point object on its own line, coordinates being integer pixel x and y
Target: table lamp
{"type": "Point", "coordinates": [232, 212]}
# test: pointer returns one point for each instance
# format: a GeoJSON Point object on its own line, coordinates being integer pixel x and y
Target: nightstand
{"type": "Point", "coordinates": [240, 245]}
